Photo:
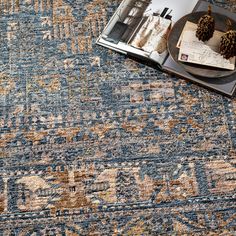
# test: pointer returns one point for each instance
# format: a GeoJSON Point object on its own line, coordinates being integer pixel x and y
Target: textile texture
{"type": "Point", "coordinates": [94, 143]}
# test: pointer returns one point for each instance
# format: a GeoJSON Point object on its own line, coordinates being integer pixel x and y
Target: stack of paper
{"type": "Point", "coordinates": [203, 53]}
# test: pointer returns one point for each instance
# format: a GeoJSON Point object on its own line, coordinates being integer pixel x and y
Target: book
{"type": "Point", "coordinates": [140, 29]}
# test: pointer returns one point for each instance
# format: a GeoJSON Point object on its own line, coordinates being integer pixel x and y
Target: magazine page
{"type": "Point", "coordinates": [141, 27]}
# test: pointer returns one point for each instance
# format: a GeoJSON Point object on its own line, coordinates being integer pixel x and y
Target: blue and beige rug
{"type": "Point", "coordinates": [93, 143]}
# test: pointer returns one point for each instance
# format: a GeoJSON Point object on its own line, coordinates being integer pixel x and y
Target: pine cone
{"type": "Point", "coordinates": [228, 44]}
{"type": "Point", "coordinates": [206, 27]}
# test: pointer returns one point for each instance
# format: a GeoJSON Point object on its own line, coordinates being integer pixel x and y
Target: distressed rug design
{"type": "Point", "coordinates": [93, 143]}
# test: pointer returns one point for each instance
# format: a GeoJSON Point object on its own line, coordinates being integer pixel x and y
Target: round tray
{"type": "Point", "coordinates": [199, 70]}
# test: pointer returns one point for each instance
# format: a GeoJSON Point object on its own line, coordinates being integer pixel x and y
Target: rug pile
{"type": "Point", "coordinates": [93, 143]}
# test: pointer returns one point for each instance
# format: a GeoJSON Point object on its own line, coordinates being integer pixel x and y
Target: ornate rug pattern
{"type": "Point", "coordinates": [93, 143]}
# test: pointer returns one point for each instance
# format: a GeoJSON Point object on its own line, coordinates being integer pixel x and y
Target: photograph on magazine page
{"type": "Point", "coordinates": [141, 26]}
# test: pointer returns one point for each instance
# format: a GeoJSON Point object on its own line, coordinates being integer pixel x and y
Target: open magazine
{"type": "Point", "coordinates": [141, 27]}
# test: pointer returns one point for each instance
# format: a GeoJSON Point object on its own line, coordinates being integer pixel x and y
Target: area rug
{"type": "Point", "coordinates": [94, 143]}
